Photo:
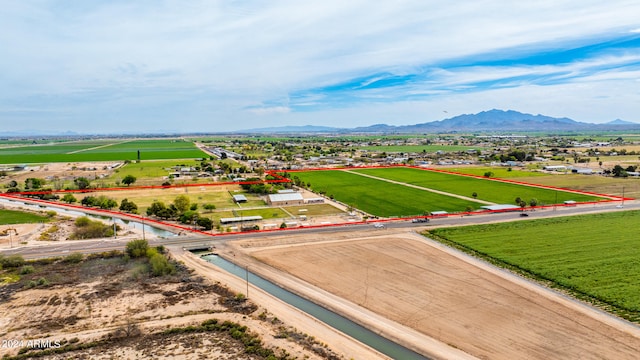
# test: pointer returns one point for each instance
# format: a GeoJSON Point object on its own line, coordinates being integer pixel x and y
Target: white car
{"type": "Point", "coordinates": [378, 225]}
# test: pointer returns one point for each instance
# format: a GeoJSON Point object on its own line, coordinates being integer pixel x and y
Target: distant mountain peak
{"type": "Point", "coordinates": [494, 120]}
{"type": "Point", "coordinates": [620, 122]}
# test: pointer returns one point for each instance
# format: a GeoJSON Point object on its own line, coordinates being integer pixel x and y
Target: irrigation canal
{"type": "Point", "coordinates": [332, 319]}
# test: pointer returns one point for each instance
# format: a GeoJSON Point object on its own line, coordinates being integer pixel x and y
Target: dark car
{"type": "Point", "coordinates": [420, 220]}
{"type": "Point", "coordinates": [524, 214]}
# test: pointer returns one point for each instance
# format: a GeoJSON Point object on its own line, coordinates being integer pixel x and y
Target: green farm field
{"type": "Point", "coordinates": [10, 217]}
{"type": "Point", "coordinates": [100, 150]}
{"type": "Point", "coordinates": [594, 257]}
{"type": "Point", "coordinates": [497, 172]}
{"type": "Point", "coordinates": [378, 197]}
{"type": "Point", "coordinates": [487, 190]}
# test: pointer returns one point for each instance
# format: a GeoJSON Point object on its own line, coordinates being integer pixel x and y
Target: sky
{"type": "Point", "coordinates": [216, 66]}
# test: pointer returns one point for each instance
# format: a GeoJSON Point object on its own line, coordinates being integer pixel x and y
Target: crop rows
{"type": "Point", "coordinates": [380, 198]}
{"type": "Point", "coordinates": [485, 189]}
{"type": "Point", "coordinates": [593, 256]}
{"type": "Point", "coordinates": [113, 151]}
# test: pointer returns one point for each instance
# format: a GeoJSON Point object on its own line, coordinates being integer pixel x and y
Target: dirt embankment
{"type": "Point", "coordinates": [112, 308]}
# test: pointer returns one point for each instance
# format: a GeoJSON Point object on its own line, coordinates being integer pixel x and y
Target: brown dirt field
{"type": "Point", "coordinates": [297, 319]}
{"type": "Point", "coordinates": [61, 171]}
{"type": "Point", "coordinates": [450, 297]}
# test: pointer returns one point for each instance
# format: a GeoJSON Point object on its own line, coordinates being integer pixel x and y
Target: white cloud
{"type": "Point", "coordinates": [270, 110]}
{"type": "Point", "coordinates": [249, 53]}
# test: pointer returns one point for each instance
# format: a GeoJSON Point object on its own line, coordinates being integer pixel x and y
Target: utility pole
{"type": "Point", "coordinates": [11, 231]}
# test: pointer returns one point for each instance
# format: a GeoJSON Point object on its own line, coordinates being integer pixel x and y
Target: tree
{"type": "Point", "coordinates": [618, 171]}
{"type": "Point", "coordinates": [129, 179]}
{"type": "Point", "coordinates": [88, 201]}
{"type": "Point", "coordinates": [522, 204]}
{"type": "Point", "coordinates": [128, 206]}
{"type": "Point", "coordinates": [533, 202]}
{"type": "Point", "coordinates": [82, 183]}
{"type": "Point", "coordinates": [187, 217]}
{"type": "Point", "coordinates": [181, 203]}
{"type": "Point", "coordinates": [104, 202]}
{"type": "Point", "coordinates": [69, 198]}
{"type": "Point", "coordinates": [475, 195]}
{"type": "Point", "coordinates": [156, 207]}
{"type": "Point", "coordinates": [205, 223]}
{"type": "Point", "coordinates": [209, 207]}
{"type": "Point", "coordinates": [33, 183]}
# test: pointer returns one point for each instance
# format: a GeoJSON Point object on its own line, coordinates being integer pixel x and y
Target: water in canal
{"type": "Point", "coordinates": [332, 319]}
{"type": "Point", "coordinates": [123, 223]}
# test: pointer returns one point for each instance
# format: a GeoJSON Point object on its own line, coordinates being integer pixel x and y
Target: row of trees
{"type": "Point", "coordinates": [522, 203]}
{"type": "Point", "coordinates": [181, 210]}
{"type": "Point", "coordinates": [82, 183]}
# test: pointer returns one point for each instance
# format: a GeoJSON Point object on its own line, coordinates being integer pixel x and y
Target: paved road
{"type": "Point", "coordinates": [200, 241]}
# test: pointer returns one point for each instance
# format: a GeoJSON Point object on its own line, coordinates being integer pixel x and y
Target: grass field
{"type": "Point", "coordinates": [218, 196]}
{"type": "Point", "coordinates": [100, 150]}
{"type": "Point", "coordinates": [313, 210]}
{"type": "Point", "coordinates": [10, 217]}
{"type": "Point", "coordinates": [498, 172]}
{"type": "Point", "coordinates": [492, 191]}
{"type": "Point", "coordinates": [380, 198]}
{"type": "Point", "coordinates": [593, 256]}
{"type": "Point", "coordinates": [150, 170]}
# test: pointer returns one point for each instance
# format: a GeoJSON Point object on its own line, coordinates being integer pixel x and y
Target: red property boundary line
{"type": "Point", "coordinates": [281, 179]}
{"type": "Point", "coordinates": [148, 220]}
{"type": "Point", "coordinates": [608, 197]}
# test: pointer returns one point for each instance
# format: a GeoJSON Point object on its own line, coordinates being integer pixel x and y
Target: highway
{"type": "Point", "coordinates": [193, 241]}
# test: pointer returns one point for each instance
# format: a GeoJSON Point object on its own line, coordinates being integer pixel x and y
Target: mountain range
{"type": "Point", "coordinates": [485, 121]}
{"type": "Point", "coordinates": [491, 121]}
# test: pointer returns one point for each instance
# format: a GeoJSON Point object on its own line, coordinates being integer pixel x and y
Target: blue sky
{"type": "Point", "coordinates": [211, 66]}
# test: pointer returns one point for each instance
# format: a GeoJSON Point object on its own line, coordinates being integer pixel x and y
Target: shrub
{"type": "Point", "coordinates": [137, 248]}
{"type": "Point", "coordinates": [88, 229]}
{"type": "Point", "coordinates": [27, 269]}
{"type": "Point", "coordinates": [43, 282]}
{"type": "Point", "coordinates": [11, 261]}
{"type": "Point", "coordinates": [74, 258]}
{"type": "Point", "coordinates": [161, 266]}
{"type": "Point", "coordinates": [151, 252]}
{"type": "Point", "coordinates": [82, 221]}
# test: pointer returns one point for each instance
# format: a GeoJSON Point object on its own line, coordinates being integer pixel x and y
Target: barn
{"type": "Point", "coordinates": [287, 199]}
